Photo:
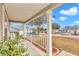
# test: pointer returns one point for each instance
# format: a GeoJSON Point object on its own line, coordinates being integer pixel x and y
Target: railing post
{"type": "Point", "coordinates": [24, 30]}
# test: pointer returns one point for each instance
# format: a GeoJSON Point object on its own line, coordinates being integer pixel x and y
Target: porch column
{"type": "Point", "coordinates": [2, 22]}
{"type": "Point", "coordinates": [49, 31]}
{"type": "Point", "coordinates": [7, 25]}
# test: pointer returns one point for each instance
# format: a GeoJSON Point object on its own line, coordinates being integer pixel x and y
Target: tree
{"type": "Point", "coordinates": [55, 26]}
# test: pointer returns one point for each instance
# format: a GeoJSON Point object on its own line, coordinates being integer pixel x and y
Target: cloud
{"type": "Point", "coordinates": [63, 18]}
{"type": "Point", "coordinates": [70, 12]}
{"type": "Point", "coordinates": [76, 22]}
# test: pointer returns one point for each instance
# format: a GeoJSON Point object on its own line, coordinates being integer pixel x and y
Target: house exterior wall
{"type": "Point", "coordinates": [0, 28]}
{"type": "Point", "coordinates": [0, 24]}
{"type": "Point", "coordinates": [71, 31]}
{"type": "Point", "coordinates": [78, 31]}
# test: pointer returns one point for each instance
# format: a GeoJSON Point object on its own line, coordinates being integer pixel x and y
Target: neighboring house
{"type": "Point", "coordinates": [71, 30]}
{"type": "Point", "coordinates": [55, 31]}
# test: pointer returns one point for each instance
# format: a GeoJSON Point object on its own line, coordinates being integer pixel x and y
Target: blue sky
{"type": "Point", "coordinates": [66, 15]}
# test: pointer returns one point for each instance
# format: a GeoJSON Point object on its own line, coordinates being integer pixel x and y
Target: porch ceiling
{"type": "Point", "coordinates": [23, 11]}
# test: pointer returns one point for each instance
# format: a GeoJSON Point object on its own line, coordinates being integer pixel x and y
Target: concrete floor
{"type": "Point", "coordinates": [33, 50]}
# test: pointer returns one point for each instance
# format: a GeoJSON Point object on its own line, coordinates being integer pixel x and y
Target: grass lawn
{"type": "Point", "coordinates": [68, 44]}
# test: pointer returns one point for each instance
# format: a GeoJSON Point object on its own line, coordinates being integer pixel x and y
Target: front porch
{"type": "Point", "coordinates": [29, 24]}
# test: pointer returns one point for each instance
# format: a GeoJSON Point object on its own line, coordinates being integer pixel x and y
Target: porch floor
{"type": "Point", "coordinates": [33, 50]}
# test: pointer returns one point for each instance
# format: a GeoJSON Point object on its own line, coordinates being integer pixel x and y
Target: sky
{"type": "Point", "coordinates": [66, 15]}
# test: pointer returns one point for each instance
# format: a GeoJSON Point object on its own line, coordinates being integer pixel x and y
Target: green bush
{"type": "Point", "coordinates": [18, 37]}
{"type": "Point", "coordinates": [10, 47]}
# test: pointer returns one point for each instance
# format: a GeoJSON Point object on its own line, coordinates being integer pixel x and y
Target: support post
{"type": "Point", "coordinates": [3, 18]}
{"type": "Point", "coordinates": [49, 40]}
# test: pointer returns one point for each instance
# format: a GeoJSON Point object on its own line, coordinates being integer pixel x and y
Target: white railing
{"type": "Point", "coordinates": [40, 40]}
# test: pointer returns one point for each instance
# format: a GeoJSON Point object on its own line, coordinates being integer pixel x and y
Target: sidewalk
{"type": "Point", "coordinates": [33, 50]}
{"type": "Point", "coordinates": [69, 36]}
{"type": "Point", "coordinates": [64, 53]}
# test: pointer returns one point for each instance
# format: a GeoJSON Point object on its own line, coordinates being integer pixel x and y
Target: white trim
{"type": "Point", "coordinates": [35, 18]}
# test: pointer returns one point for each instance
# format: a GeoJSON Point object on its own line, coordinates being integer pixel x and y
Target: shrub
{"type": "Point", "coordinates": [9, 47]}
